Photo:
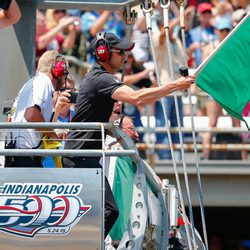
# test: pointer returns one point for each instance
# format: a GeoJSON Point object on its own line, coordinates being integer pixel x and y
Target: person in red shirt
{"type": "Point", "coordinates": [44, 36]}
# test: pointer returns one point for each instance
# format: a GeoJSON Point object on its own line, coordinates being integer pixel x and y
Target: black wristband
{"type": "Point", "coordinates": [5, 4]}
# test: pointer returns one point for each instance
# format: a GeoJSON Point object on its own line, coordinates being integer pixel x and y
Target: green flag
{"type": "Point", "coordinates": [226, 73]}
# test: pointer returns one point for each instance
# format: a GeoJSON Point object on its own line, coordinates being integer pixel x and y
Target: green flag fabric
{"type": "Point", "coordinates": [226, 75]}
{"type": "Point", "coordinates": [123, 192]}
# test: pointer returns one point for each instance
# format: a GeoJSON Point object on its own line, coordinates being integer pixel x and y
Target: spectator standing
{"type": "Point", "coordinates": [160, 45]}
{"type": "Point", "coordinates": [237, 16]}
{"type": "Point", "coordinates": [222, 10]}
{"type": "Point", "coordinates": [66, 38]}
{"type": "Point", "coordinates": [244, 4]}
{"type": "Point", "coordinates": [223, 27]}
{"type": "Point", "coordinates": [140, 37]}
{"type": "Point", "coordinates": [98, 92]}
{"type": "Point", "coordinates": [75, 42]}
{"type": "Point", "coordinates": [10, 13]}
{"type": "Point", "coordinates": [34, 104]}
{"type": "Point", "coordinates": [202, 34]}
{"type": "Point", "coordinates": [44, 37]}
{"type": "Point", "coordinates": [140, 55]}
{"type": "Point", "coordinates": [52, 18]}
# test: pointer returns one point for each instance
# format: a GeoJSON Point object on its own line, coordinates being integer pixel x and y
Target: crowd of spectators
{"type": "Point", "coordinates": [206, 25]}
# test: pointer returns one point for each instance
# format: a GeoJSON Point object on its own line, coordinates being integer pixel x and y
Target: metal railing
{"type": "Point", "coordinates": [143, 172]}
{"type": "Point", "coordinates": [188, 147]}
{"type": "Point", "coordinates": [188, 130]}
{"type": "Point", "coordinates": [65, 152]}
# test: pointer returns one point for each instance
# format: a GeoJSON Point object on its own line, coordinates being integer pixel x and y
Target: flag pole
{"type": "Point", "coordinates": [165, 4]}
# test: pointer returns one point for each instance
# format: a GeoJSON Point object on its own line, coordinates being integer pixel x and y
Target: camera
{"type": "Point", "coordinates": [73, 96]}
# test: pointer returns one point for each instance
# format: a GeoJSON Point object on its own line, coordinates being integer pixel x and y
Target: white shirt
{"type": "Point", "coordinates": [141, 39]}
{"type": "Point", "coordinates": [37, 91]}
{"type": "Point", "coordinates": [163, 58]}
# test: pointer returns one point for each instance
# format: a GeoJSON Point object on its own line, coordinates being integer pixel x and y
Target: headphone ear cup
{"type": "Point", "coordinates": [59, 69]}
{"type": "Point", "coordinates": [102, 49]}
{"type": "Point", "coordinates": [102, 53]}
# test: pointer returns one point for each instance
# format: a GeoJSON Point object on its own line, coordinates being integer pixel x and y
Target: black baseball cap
{"type": "Point", "coordinates": [114, 42]}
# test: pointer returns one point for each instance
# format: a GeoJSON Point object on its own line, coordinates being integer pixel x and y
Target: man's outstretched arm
{"type": "Point", "coordinates": [149, 95]}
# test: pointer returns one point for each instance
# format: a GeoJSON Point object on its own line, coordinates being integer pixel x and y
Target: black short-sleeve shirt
{"type": "Point", "coordinates": [94, 104]}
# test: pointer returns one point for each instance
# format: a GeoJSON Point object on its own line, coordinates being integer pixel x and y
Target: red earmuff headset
{"type": "Point", "coordinates": [102, 48]}
{"type": "Point", "coordinates": [59, 68]}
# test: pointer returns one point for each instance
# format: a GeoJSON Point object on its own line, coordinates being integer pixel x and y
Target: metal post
{"type": "Point", "coordinates": [147, 9]}
{"type": "Point", "coordinates": [182, 26]}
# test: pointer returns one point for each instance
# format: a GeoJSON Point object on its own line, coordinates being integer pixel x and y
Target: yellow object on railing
{"type": "Point", "coordinates": [53, 144]}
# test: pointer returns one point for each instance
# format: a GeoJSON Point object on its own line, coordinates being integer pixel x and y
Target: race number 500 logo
{"type": "Point", "coordinates": [28, 209]}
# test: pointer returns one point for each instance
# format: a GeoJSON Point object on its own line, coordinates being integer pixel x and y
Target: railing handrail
{"type": "Point", "coordinates": [190, 147]}
{"type": "Point", "coordinates": [65, 152]}
{"type": "Point", "coordinates": [97, 125]}
{"type": "Point", "coordinates": [184, 129]}
{"type": "Point", "coordinates": [69, 125]}
{"type": "Point", "coordinates": [128, 151]}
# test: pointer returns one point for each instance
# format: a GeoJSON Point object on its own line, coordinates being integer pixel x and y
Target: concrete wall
{"type": "Point", "coordinates": [17, 50]}
{"type": "Point", "coordinates": [222, 186]}
{"type": "Point", "coordinates": [13, 70]}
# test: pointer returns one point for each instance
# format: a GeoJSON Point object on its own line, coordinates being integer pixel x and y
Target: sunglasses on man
{"type": "Point", "coordinates": [120, 52]}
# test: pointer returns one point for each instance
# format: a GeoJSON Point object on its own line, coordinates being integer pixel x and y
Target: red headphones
{"type": "Point", "coordinates": [102, 48]}
{"type": "Point", "coordinates": [59, 68]}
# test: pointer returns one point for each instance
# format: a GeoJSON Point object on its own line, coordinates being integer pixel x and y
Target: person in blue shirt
{"type": "Point", "coordinates": [202, 34]}
{"type": "Point", "coordinates": [65, 115]}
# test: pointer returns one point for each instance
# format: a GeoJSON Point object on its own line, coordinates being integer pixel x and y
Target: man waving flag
{"type": "Point", "coordinates": [225, 75]}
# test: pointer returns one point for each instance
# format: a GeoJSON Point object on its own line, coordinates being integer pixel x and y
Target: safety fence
{"type": "Point", "coordinates": [85, 127]}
